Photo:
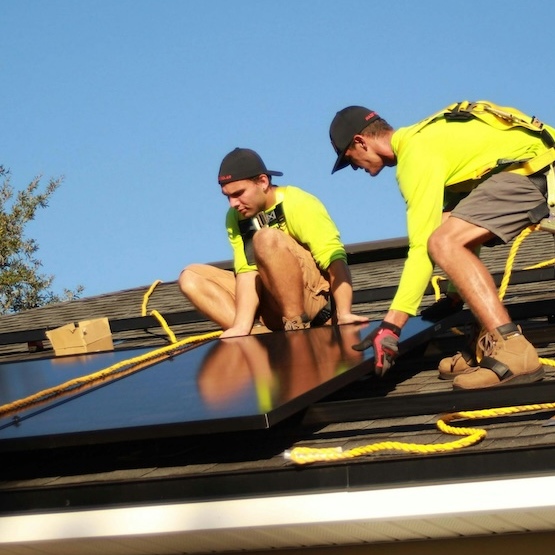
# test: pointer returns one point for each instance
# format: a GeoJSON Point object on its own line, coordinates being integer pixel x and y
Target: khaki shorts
{"type": "Point", "coordinates": [505, 204]}
{"type": "Point", "coordinates": [316, 286]}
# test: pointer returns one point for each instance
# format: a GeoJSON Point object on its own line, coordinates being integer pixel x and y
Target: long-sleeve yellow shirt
{"type": "Point", "coordinates": [306, 220]}
{"type": "Point", "coordinates": [433, 159]}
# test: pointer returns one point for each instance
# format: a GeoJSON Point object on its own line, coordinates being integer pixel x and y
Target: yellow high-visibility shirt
{"type": "Point", "coordinates": [306, 220]}
{"type": "Point", "coordinates": [431, 161]}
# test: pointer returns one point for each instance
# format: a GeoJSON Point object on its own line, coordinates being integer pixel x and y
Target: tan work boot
{"type": "Point", "coordinates": [460, 363]}
{"type": "Point", "coordinates": [301, 322]}
{"type": "Point", "coordinates": [463, 361]}
{"type": "Point", "coordinates": [509, 358]}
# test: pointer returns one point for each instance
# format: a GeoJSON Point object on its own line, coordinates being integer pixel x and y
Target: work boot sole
{"type": "Point", "coordinates": [515, 379]}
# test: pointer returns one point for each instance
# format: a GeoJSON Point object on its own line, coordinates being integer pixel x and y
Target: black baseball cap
{"type": "Point", "coordinates": [345, 125]}
{"type": "Point", "coordinates": [242, 163]}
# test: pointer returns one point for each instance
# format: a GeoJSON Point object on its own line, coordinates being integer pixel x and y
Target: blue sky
{"type": "Point", "coordinates": [135, 103]}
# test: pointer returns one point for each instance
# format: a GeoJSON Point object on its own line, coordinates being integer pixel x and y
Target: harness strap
{"type": "Point", "coordinates": [248, 227]}
{"type": "Point", "coordinates": [275, 218]}
{"type": "Point", "coordinates": [501, 118]}
{"type": "Point", "coordinates": [324, 315]}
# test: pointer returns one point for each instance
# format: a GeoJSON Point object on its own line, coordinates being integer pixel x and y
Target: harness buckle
{"type": "Point", "coordinates": [459, 116]}
{"type": "Point", "coordinates": [548, 223]}
{"type": "Point", "coordinates": [461, 112]}
{"type": "Point", "coordinates": [260, 220]}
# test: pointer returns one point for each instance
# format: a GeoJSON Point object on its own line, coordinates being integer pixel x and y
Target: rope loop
{"type": "Point", "coordinates": [470, 436]}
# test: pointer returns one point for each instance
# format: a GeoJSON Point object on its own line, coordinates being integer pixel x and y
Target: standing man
{"type": "Point", "coordinates": [503, 159]}
{"type": "Point", "coordinates": [288, 259]}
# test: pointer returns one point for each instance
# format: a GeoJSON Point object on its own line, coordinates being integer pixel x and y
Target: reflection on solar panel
{"type": "Point", "coordinates": [223, 385]}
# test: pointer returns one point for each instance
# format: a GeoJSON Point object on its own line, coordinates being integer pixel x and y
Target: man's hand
{"type": "Point", "coordinates": [236, 331]}
{"type": "Point", "coordinates": [385, 341]}
{"type": "Point", "coordinates": [351, 319]}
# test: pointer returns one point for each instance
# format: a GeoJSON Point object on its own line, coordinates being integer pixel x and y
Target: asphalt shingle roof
{"type": "Point", "coordinates": [403, 406]}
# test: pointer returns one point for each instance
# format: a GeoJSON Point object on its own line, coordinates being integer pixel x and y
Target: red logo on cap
{"type": "Point", "coordinates": [224, 177]}
{"type": "Point", "coordinates": [370, 116]}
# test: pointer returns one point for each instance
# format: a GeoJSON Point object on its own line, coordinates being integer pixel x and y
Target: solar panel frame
{"type": "Point", "coordinates": [235, 384]}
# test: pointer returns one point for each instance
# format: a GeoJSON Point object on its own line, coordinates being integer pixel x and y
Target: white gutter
{"type": "Point", "coordinates": [447, 501]}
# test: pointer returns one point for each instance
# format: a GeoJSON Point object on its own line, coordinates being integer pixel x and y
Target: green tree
{"type": "Point", "coordinates": [22, 286]}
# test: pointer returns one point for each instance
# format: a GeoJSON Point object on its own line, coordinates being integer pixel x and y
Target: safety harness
{"type": "Point", "coordinates": [507, 118]}
{"type": "Point", "coordinates": [276, 218]}
{"type": "Point", "coordinates": [248, 227]}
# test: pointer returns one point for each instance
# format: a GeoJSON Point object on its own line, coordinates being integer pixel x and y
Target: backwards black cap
{"type": "Point", "coordinates": [242, 163]}
{"type": "Point", "coordinates": [345, 125]}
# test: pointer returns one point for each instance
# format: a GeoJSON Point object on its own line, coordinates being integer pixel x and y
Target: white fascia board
{"type": "Point", "coordinates": [393, 504]}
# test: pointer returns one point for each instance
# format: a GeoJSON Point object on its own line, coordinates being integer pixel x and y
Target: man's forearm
{"type": "Point", "coordinates": [341, 286]}
{"type": "Point", "coordinates": [396, 317]}
{"type": "Point", "coordinates": [246, 300]}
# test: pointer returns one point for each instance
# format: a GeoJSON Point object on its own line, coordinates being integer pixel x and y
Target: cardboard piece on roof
{"type": "Point", "coordinates": [86, 336]}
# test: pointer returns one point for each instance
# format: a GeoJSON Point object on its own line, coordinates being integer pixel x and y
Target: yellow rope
{"type": "Point", "coordinates": [306, 455]}
{"type": "Point", "coordinates": [504, 281]}
{"type": "Point", "coordinates": [134, 363]}
{"type": "Point", "coordinates": [437, 294]}
{"type": "Point", "coordinates": [155, 313]}
{"type": "Point", "coordinates": [435, 285]}
{"type": "Point", "coordinates": [541, 265]}
{"type": "Point", "coordinates": [147, 295]}
{"type": "Point", "coordinates": [125, 366]}
{"type": "Point", "coordinates": [508, 265]}
{"type": "Point", "coordinates": [509, 268]}
{"type": "Point", "coordinates": [471, 436]}
{"type": "Point", "coordinates": [164, 325]}
{"type": "Point", "coordinates": [511, 258]}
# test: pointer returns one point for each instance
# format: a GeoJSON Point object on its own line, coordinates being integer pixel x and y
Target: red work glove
{"type": "Point", "coordinates": [385, 341]}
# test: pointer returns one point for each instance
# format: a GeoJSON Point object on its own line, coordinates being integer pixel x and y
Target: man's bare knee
{"type": "Point", "coordinates": [267, 241]}
{"type": "Point", "coordinates": [189, 279]}
{"type": "Point", "coordinates": [439, 245]}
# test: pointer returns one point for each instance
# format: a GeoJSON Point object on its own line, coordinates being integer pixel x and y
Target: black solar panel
{"type": "Point", "coordinates": [223, 385]}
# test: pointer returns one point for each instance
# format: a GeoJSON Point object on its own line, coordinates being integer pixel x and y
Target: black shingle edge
{"type": "Point", "coordinates": [192, 316]}
{"type": "Point", "coordinates": [324, 413]}
{"type": "Point", "coordinates": [366, 473]}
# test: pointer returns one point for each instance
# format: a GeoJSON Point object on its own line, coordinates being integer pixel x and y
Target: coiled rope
{"type": "Point", "coordinates": [123, 367]}
{"type": "Point", "coordinates": [471, 436]}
